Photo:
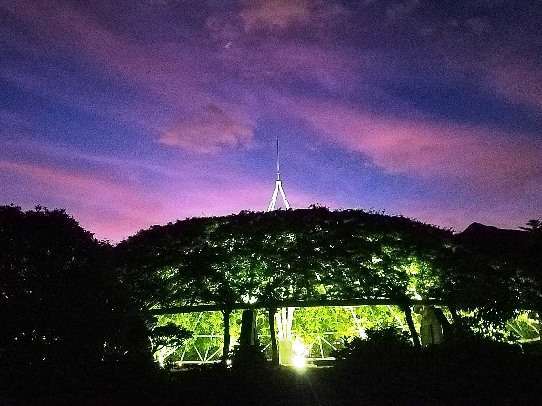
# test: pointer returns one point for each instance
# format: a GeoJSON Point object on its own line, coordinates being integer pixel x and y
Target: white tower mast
{"type": "Point", "coordinates": [285, 316]}
{"type": "Point", "coordinates": [278, 187]}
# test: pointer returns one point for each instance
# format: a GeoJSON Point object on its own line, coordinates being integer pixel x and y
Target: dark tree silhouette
{"type": "Point", "coordinates": [533, 226]}
{"type": "Point", "coordinates": [63, 310]}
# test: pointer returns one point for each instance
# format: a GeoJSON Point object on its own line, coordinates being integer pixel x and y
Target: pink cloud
{"type": "Point", "coordinates": [423, 148]}
{"type": "Point", "coordinates": [252, 55]}
{"type": "Point", "coordinates": [176, 76]}
{"type": "Point", "coordinates": [210, 130]}
{"type": "Point", "coordinates": [284, 14]}
{"type": "Point", "coordinates": [115, 209]}
{"type": "Point", "coordinates": [278, 14]}
{"type": "Point", "coordinates": [183, 79]}
{"type": "Point", "coordinates": [98, 203]}
{"type": "Point", "coordinates": [519, 81]}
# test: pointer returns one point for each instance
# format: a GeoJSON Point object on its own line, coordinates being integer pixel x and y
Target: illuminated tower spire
{"type": "Point", "coordinates": [285, 316]}
{"type": "Point", "coordinates": [278, 187]}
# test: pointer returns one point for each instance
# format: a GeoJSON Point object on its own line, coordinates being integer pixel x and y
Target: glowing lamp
{"type": "Point", "coordinates": [299, 354]}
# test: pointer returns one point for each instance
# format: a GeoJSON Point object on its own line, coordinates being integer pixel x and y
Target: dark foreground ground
{"type": "Point", "coordinates": [399, 384]}
{"type": "Point", "coordinates": [473, 382]}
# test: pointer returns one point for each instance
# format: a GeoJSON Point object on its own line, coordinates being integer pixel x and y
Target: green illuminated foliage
{"type": "Point", "coordinates": [525, 327]}
{"type": "Point", "coordinates": [319, 254]}
{"type": "Point", "coordinates": [301, 254]}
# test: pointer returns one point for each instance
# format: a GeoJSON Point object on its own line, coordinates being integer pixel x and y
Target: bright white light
{"type": "Point", "coordinates": [298, 347]}
{"type": "Point", "coordinates": [300, 352]}
{"type": "Point", "coordinates": [299, 361]}
{"type": "Point", "coordinates": [228, 363]}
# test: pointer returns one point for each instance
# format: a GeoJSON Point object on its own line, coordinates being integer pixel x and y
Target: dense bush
{"type": "Point", "coordinates": [248, 357]}
{"type": "Point", "coordinates": [465, 345]}
{"type": "Point", "coordinates": [65, 317]}
{"type": "Point", "coordinates": [389, 346]}
{"type": "Point", "coordinates": [383, 344]}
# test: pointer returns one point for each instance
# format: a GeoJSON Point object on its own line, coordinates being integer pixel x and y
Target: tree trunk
{"type": "Point", "coordinates": [455, 317]}
{"type": "Point", "coordinates": [274, 349]}
{"type": "Point", "coordinates": [226, 349]}
{"type": "Point", "coordinates": [411, 327]}
{"type": "Point", "coordinates": [446, 326]}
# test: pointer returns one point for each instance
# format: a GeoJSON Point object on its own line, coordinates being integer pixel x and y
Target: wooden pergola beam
{"type": "Point", "coordinates": [291, 303]}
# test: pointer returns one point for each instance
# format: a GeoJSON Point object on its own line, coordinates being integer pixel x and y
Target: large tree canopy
{"type": "Point", "coordinates": [284, 255]}
{"type": "Point", "coordinates": [316, 253]}
{"type": "Point", "coordinates": [65, 295]}
{"type": "Point", "coordinates": [61, 303]}
{"type": "Point", "coordinates": [495, 268]}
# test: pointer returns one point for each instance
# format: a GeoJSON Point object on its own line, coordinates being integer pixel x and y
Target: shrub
{"type": "Point", "coordinates": [466, 344]}
{"type": "Point", "coordinates": [387, 343]}
{"type": "Point", "coordinates": [248, 357]}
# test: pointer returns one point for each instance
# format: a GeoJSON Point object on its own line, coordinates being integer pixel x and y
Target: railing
{"type": "Point", "coordinates": [207, 348]}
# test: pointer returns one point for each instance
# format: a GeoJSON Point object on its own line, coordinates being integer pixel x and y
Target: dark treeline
{"type": "Point", "coordinates": [72, 309]}
{"type": "Point", "coordinates": [65, 316]}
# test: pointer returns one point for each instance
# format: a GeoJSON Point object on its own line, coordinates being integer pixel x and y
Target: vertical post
{"type": "Point", "coordinates": [274, 349]}
{"type": "Point", "coordinates": [457, 327]}
{"type": "Point", "coordinates": [446, 326]}
{"type": "Point", "coordinates": [249, 332]}
{"type": "Point", "coordinates": [411, 327]}
{"type": "Point", "coordinates": [455, 316]}
{"type": "Point", "coordinates": [278, 162]}
{"type": "Point", "coordinates": [226, 349]}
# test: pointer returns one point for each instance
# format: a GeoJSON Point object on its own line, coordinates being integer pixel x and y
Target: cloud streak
{"type": "Point", "coordinates": [170, 108]}
{"type": "Point", "coordinates": [210, 131]}
{"type": "Point", "coordinates": [89, 195]}
{"type": "Point", "coordinates": [116, 208]}
{"type": "Point", "coordinates": [425, 148]}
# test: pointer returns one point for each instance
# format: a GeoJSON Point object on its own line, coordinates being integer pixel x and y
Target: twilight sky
{"type": "Point", "coordinates": [139, 112]}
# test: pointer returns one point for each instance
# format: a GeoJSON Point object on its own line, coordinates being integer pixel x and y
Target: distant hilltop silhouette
{"type": "Point", "coordinates": [492, 239]}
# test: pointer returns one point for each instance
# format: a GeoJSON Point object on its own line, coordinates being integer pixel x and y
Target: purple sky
{"type": "Point", "coordinates": [139, 112]}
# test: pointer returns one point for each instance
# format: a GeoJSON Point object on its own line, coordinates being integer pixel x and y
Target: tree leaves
{"type": "Point", "coordinates": [282, 255]}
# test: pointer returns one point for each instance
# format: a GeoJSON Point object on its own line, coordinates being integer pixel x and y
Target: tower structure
{"type": "Point", "coordinates": [284, 316]}
{"type": "Point", "coordinates": [278, 187]}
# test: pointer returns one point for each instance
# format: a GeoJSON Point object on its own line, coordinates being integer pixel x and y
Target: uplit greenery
{"type": "Point", "coordinates": [263, 258]}
{"type": "Point", "coordinates": [525, 327]}
{"type": "Point", "coordinates": [321, 329]}
{"type": "Point", "coordinates": [317, 254]}
{"type": "Point", "coordinates": [301, 254]}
